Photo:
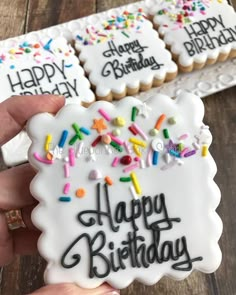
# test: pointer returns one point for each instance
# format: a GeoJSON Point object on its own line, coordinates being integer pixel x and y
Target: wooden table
{"type": "Point", "coordinates": [25, 274]}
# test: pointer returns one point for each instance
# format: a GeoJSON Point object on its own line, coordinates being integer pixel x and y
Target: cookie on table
{"type": "Point", "coordinates": [198, 32]}
{"type": "Point", "coordinates": [125, 191]}
{"type": "Point", "coordinates": [42, 65]}
{"type": "Point", "coordinates": [124, 55]}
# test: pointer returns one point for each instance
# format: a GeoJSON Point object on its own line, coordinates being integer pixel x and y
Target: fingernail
{"type": "Point", "coordinates": [112, 293]}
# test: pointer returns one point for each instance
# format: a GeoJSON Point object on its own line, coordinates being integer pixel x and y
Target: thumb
{"type": "Point", "coordinates": [72, 289]}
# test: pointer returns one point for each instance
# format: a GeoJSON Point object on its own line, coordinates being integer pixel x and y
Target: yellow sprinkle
{"type": "Point", "coordinates": [137, 150]}
{"type": "Point", "coordinates": [204, 150]}
{"type": "Point", "coordinates": [12, 51]}
{"type": "Point", "coordinates": [136, 183]}
{"type": "Point", "coordinates": [138, 142]}
{"type": "Point", "coordinates": [48, 142]}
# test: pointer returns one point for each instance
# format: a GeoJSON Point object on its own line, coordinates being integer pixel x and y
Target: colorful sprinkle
{"type": "Point", "coordinates": [80, 193]}
{"type": "Point", "coordinates": [136, 183]}
{"type": "Point", "coordinates": [133, 130]}
{"type": "Point", "coordinates": [66, 188]}
{"type": "Point", "coordinates": [125, 179]}
{"type": "Point", "coordinates": [137, 142]}
{"type": "Point", "coordinates": [73, 139]}
{"type": "Point", "coordinates": [42, 160]}
{"type": "Point", "coordinates": [159, 122]}
{"type": "Point", "coordinates": [77, 130]}
{"type": "Point", "coordinates": [137, 151]}
{"type": "Point", "coordinates": [96, 141]}
{"type": "Point", "coordinates": [140, 131]}
{"type": "Point", "coordinates": [115, 162]}
{"type": "Point", "coordinates": [66, 170]}
{"type": "Point", "coordinates": [155, 158]}
{"type": "Point", "coordinates": [204, 150]}
{"type": "Point", "coordinates": [99, 125]}
{"type": "Point", "coordinates": [134, 114]}
{"type": "Point", "coordinates": [72, 156]}
{"type": "Point", "coordinates": [105, 115]}
{"type": "Point", "coordinates": [63, 139]}
{"type": "Point", "coordinates": [64, 199]}
{"type": "Point", "coordinates": [189, 154]}
{"type": "Point", "coordinates": [166, 133]}
{"type": "Point", "coordinates": [172, 121]}
{"type": "Point", "coordinates": [108, 180]}
{"type": "Point", "coordinates": [131, 167]}
{"type": "Point", "coordinates": [106, 139]}
{"type": "Point", "coordinates": [85, 131]}
{"type": "Point", "coordinates": [48, 142]}
{"type": "Point", "coordinates": [116, 146]}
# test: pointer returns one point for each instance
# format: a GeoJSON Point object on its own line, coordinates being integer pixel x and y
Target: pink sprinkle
{"type": "Point", "coordinates": [149, 157]}
{"type": "Point", "coordinates": [66, 188]}
{"type": "Point", "coordinates": [137, 159]}
{"type": "Point", "coordinates": [131, 167]}
{"type": "Point", "coordinates": [115, 162]}
{"type": "Point", "coordinates": [42, 160]}
{"type": "Point", "coordinates": [183, 137]}
{"type": "Point", "coordinates": [105, 115]}
{"type": "Point", "coordinates": [115, 139]}
{"type": "Point", "coordinates": [66, 170]}
{"type": "Point", "coordinates": [127, 147]}
{"type": "Point", "coordinates": [140, 131]}
{"type": "Point", "coordinates": [184, 151]}
{"type": "Point", "coordinates": [72, 156]}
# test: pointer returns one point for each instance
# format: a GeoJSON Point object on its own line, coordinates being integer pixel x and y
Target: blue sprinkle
{"type": "Point", "coordinates": [63, 139]}
{"type": "Point", "coordinates": [12, 67]}
{"type": "Point", "coordinates": [47, 46]}
{"type": "Point", "coordinates": [64, 199]}
{"type": "Point", "coordinates": [79, 37]}
{"type": "Point", "coordinates": [174, 153]}
{"type": "Point", "coordinates": [155, 158]}
{"type": "Point", "coordinates": [68, 66]}
{"type": "Point", "coordinates": [85, 130]}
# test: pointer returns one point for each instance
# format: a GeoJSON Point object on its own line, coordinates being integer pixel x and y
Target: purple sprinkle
{"type": "Point", "coordinates": [189, 154]}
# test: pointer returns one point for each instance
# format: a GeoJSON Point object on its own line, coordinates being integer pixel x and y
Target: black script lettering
{"type": "Point", "coordinates": [129, 48]}
{"type": "Point", "coordinates": [118, 69]}
{"type": "Point", "coordinates": [98, 212]}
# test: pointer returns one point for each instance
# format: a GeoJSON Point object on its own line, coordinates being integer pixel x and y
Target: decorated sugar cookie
{"type": "Point", "coordinates": [198, 33]}
{"type": "Point", "coordinates": [45, 66]}
{"type": "Point", "coordinates": [124, 55]}
{"type": "Point", "coordinates": [125, 191]}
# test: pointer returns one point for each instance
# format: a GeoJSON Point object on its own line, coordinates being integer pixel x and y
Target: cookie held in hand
{"type": "Point", "coordinates": [125, 191]}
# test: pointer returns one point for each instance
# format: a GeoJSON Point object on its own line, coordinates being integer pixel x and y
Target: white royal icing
{"type": "Point", "coordinates": [183, 219]}
{"type": "Point", "coordinates": [129, 48]}
{"type": "Point", "coordinates": [42, 66]}
{"type": "Point", "coordinates": [208, 31]}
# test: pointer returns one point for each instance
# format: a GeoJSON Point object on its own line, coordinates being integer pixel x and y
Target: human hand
{"type": "Point", "coordinates": [15, 193]}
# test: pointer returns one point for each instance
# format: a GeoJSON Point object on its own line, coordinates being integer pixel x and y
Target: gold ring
{"type": "Point", "coordinates": [14, 219]}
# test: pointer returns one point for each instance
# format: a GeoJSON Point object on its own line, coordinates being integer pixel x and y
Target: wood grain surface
{"type": "Point", "coordinates": [25, 274]}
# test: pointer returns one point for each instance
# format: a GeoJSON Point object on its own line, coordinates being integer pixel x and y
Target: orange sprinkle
{"type": "Point", "coordinates": [49, 156]}
{"type": "Point", "coordinates": [99, 125]}
{"type": "Point", "coordinates": [160, 121]}
{"type": "Point", "coordinates": [36, 45]}
{"type": "Point", "coordinates": [108, 180]}
{"type": "Point", "coordinates": [80, 193]}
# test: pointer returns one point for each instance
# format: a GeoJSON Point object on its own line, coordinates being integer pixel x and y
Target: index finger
{"type": "Point", "coordinates": [15, 111]}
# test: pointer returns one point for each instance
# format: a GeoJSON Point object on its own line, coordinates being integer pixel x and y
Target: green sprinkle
{"type": "Point", "coordinates": [180, 147]}
{"type": "Point", "coordinates": [125, 179]}
{"type": "Point", "coordinates": [27, 50]}
{"type": "Point", "coordinates": [126, 35]}
{"type": "Point", "coordinates": [166, 133]}
{"type": "Point", "coordinates": [77, 130]}
{"type": "Point", "coordinates": [134, 114]}
{"type": "Point", "coordinates": [116, 146]}
{"type": "Point", "coordinates": [74, 139]}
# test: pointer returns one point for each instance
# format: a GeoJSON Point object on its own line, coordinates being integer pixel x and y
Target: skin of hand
{"type": "Point", "coordinates": [15, 194]}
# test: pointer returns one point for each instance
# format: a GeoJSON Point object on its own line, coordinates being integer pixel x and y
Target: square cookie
{"type": "Point", "coordinates": [124, 55]}
{"type": "Point", "coordinates": [198, 33]}
{"type": "Point", "coordinates": [125, 191]}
